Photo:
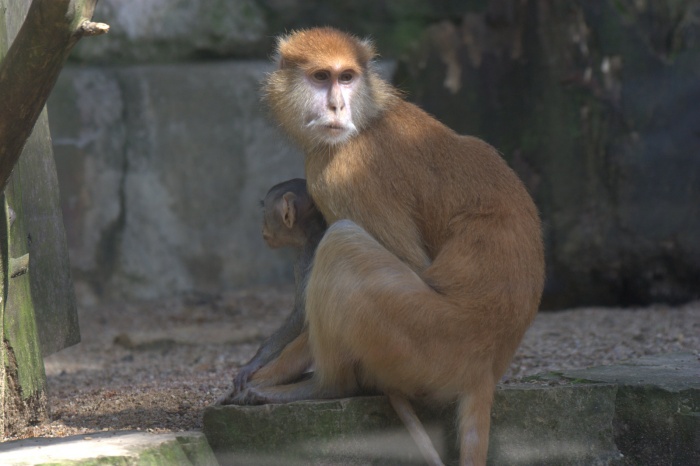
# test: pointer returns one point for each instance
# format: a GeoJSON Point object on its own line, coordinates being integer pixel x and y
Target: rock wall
{"type": "Point", "coordinates": [162, 168]}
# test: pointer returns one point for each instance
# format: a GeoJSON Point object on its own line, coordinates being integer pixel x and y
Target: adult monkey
{"type": "Point", "coordinates": [433, 266]}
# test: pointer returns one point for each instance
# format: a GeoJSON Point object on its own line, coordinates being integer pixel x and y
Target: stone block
{"type": "Point", "coordinates": [530, 425]}
{"type": "Point", "coordinates": [351, 431]}
{"type": "Point", "coordinates": [162, 169]}
{"type": "Point", "coordinates": [687, 444]}
{"type": "Point", "coordinates": [540, 425]}
{"type": "Point", "coordinates": [656, 406]}
{"type": "Point", "coordinates": [111, 448]}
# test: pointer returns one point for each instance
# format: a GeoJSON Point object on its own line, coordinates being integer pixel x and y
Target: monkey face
{"type": "Point", "coordinates": [321, 91]}
{"type": "Point", "coordinates": [270, 236]}
{"type": "Point", "coordinates": [331, 90]}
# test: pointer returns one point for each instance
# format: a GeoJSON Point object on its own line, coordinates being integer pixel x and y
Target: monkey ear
{"type": "Point", "coordinates": [368, 51]}
{"type": "Point", "coordinates": [289, 211]}
{"type": "Point", "coordinates": [282, 46]}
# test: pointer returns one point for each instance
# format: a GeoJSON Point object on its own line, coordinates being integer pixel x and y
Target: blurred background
{"type": "Point", "coordinates": [163, 148]}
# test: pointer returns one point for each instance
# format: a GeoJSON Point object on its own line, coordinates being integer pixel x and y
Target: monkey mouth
{"type": "Point", "coordinates": [331, 131]}
{"type": "Point", "coordinates": [331, 126]}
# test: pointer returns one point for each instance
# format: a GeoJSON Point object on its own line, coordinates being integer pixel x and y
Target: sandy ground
{"type": "Point", "coordinates": [155, 365]}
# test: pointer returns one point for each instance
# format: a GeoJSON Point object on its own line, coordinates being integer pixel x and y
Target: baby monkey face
{"type": "Point", "coordinates": [274, 232]}
{"type": "Point", "coordinates": [281, 226]}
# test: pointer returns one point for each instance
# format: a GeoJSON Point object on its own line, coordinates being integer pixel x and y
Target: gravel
{"type": "Point", "coordinates": [155, 365]}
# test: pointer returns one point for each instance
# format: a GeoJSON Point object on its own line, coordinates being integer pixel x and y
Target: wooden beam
{"type": "Point", "coordinates": [32, 65]}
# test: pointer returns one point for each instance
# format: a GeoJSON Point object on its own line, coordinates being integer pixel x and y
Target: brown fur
{"type": "Point", "coordinates": [433, 267]}
{"type": "Point", "coordinates": [289, 366]}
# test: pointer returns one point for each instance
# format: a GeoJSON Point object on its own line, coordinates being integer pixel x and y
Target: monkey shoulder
{"type": "Point", "coordinates": [415, 126]}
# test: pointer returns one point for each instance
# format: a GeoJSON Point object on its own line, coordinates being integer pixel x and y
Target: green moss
{"type": "Point", "coordinates": [19, 323]}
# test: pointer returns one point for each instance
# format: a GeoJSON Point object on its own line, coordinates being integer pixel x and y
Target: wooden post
{"type": "Point", "coordinates": [25, 381]}
{"type": "Point", "coordinates": [32, 275]}
{"type": "Point", "coordinates": [32, 64]}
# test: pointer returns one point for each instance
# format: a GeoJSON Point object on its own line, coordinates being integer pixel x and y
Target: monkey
{"type": "Point", "coordinates": [291, 219]}
{"type": "Point", "coordinates": [432, 268]}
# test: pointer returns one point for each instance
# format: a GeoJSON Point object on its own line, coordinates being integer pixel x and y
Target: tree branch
{"type": "Point", "coordinates": [88, 28]}
{"type": "Point", "coordinates": [32, 65]}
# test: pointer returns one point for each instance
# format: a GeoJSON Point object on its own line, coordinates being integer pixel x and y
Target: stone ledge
{"type": "Point", "coordinates": [111, 448]}
{"type": "Point", "coordinates": [528, 428]}
{"type": "Point", "coordinates": [657, 407]}
{"type": "Point", "coordinates": [645, 411]}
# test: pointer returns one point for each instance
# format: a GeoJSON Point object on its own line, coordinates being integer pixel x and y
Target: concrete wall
{"type": "Point", "coordinates": [161, 170]}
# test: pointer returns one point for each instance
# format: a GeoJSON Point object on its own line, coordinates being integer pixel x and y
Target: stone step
{"type": "Point", "coordinates": [642, 412]}
{"type": "Point", "coordinates": [111, 448]}
{"type": "Point", "coordinates": [657, 407]}
{"type": "Point", "coordinates": [529, 427]}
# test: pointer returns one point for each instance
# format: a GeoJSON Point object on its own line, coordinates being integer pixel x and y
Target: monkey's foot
{"type": "Point", "coordinates": [228, 398]}
{"type": "Point", "coordinates": [257, 395]}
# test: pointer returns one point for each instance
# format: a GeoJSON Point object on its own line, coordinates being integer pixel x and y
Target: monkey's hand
{"type": "Point", "coordinates": [245, 390]}
{"type": "Point", "coordinates": [246, 396]}
{"type": "Point", "coordinates": [253, 394]}
{"type": "Point", "coordinates": [240, 383]}
{"type": "Point", "coordinates": [233, 397]}
{"type": "Point", "coordinates": [244, 374]}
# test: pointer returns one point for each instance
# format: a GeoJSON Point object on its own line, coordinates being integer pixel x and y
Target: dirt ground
{"type": "Point", "coordinates": [155, 365]}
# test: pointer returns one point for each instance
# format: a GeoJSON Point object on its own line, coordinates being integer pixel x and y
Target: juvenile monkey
{"type": "Point", "coordinates": [433, 266]}
{"type": "Point", "coordinates": [291, 219]}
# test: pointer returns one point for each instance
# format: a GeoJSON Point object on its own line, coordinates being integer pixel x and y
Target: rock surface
{"type": "Point", "coordinates": [657, 407]}
{"type": "Point", "coordinates": [162, 168]}
{"type": "Point", "coordinates": [112, 448]}
{"type": "Point", "coordinates": [528, 427]}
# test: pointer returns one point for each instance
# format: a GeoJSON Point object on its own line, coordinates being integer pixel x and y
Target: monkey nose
{"type": "Point", "coordinates": [336, 108]}
{"type": "Point", "coordinates": [336, 102]}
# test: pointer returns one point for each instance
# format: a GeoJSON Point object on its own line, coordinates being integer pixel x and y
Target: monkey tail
{"type": "Point", "coordinates": [474, 421]}
{"type": "Point", "coordinates": [415, 428]}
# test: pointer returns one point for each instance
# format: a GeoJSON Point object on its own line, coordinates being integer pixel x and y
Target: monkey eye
{"type": "Point", "coordinates": [321, 76]}
{"type": "Point", "coordinates": [346, 77]}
